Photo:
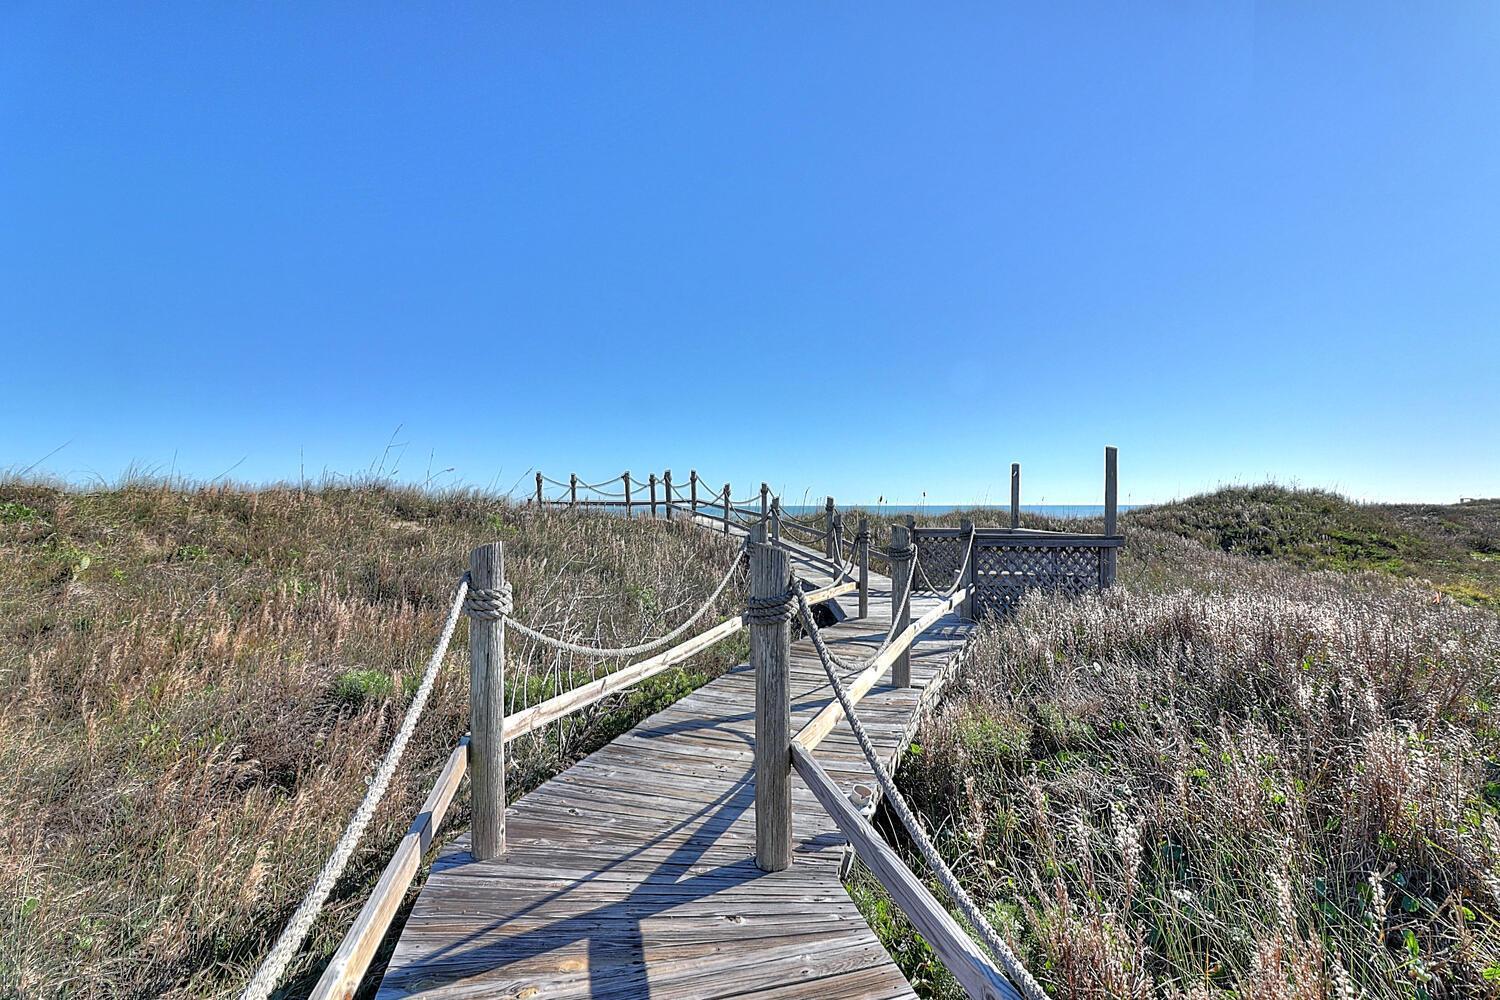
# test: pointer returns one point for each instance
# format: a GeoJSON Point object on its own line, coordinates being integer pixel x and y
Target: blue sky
{"type": "Point", "coordinates": [862, 249]}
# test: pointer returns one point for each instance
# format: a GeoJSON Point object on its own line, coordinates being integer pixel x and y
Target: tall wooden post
{"type": "Point", "coordinates": [828, 528]}
{"type": "Point", "coordinates": [765, 504]}
{"type": "Point", "coordinates": [901, 557]}
{"type": "Point", "coordinates": [653, 494]}
{"type": "Point", "coordinates": [776, 520]}
{"type": "Point", "coordinates": [487, 710]}
{"type": "Point", "coordinates": [1015, 494]}
{"type": "Point", "coordinates": [1111, 509]}
{"type": "Point", "coordinates": [726, 508]}
{"type": "Point", "coordinates": [572, 489]}
{"type": "Point", "coordinates": [628, 513]}
{"type": "Point", "coordinates": [770, 659]}
{"type": "Point", "coordinates": [666, 480]}
{"type": "Point", "coordinates": [862, 541]}
{"type": "Point", "coordinates": [971, 547]}
{"type": "Point", "coordinates": [838, 536]}
{"type": "Point", "coordinates": [538, 489]}
{"type": "Point", "coordinates": [693, 492]}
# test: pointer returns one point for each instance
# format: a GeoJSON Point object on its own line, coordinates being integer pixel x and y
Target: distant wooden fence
{"type": "Point", "coordinates": [1008, 562]}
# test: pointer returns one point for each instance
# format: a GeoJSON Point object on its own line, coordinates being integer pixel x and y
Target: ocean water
{"type": "Point", "coordinates": [937, 509]}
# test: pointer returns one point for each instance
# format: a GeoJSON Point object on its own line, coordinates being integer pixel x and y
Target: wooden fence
{"type": "Point", "coordinates": [1007, 562]}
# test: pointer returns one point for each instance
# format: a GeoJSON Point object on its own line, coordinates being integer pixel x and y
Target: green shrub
{"type": "Point", "coordinates": [357, 686]}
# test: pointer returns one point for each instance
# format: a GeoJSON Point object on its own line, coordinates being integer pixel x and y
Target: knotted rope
{"type": "Point", "coordinates": [966, 905]}
{"type": "Point", "coordinates": [485, 604]}
{"type": "Point", "coordinates": [772, 610]}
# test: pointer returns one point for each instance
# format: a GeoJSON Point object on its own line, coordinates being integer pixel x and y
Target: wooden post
{"type": "Point", "coordinates": [765, 504]}
{"type": "Point", "coordinates": [901, 557]}
{"type": "Point", "coordinates": [971, 546]}
{"type": "Point", "coordinates": [1111, 509]}
{"type": "Point", "coordinates": [838, 535]}
{"type": "Point", "coordinates": [572, 489]}
{"type": "Point", "coordinates": [862, 540]}
{"type": "Point", "coordinates": [726, 508]}
{"type": "Point", "coordinates": [770, 659]}
{"type": "Point", "coordinates": [538, 489]}
{"type": "Point", "coordinates": [1015, 494]}
{"type": "Point", "coordinates": [693, 491]}
{"type": "Point", "coordinates": [666, 480]}
{"type": "Point", "coordinates": [776, 520]}
{"type": "Point", "coordinates": [653, 494]}
{"type": "Point", "coordinates": [487, 711]}
{"type": "Point", "coordinates": [828, 528]}
{"type": "Point", "coordinates": [628, 514]}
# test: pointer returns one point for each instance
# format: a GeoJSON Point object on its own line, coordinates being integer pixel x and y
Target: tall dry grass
{"type": "Point", "coordinates": [1226, 778]}
{"type": "Point", "coordinates": [196, 684]}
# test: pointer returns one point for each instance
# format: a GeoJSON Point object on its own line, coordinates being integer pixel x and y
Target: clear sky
{"type": "Point", "coordinates": [863, 249]}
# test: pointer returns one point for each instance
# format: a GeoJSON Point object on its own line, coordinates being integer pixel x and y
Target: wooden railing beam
{"type": "Point", "coordinates": [960, 954]}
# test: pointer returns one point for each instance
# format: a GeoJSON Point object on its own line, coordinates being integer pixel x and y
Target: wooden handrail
{"type": "Point", "coordinates": [341, 978]}
{"type": "Point", "coordinates": [822, 724]}
{"type": "Point", "coordinates": [960, 954]}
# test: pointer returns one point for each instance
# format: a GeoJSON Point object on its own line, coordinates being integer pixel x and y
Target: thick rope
{"type": "Point", "coordinates": [971, 912]}
{"type": "Point", "coordinates": [772, 610]}
{"type": "Point", "coordinates": [287, 945]}
{"type": "Point", "coordinates": [628, 651]}
{"type": "Point", "coordinates": [957, 579]}
{"type": "Point", "coordinates": [487, 605]}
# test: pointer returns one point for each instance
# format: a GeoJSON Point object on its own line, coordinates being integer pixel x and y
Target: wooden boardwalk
{"type": "Point", "coordinates": [631, 874]}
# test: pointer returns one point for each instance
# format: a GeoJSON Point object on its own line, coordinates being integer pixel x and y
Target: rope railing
{"type": "Point", "coordinates": [274, 965]}
{"type": "Point", "coordinates": [501, 597]}
{"type": "Point", "coordinates": [958, 578]}
{"type": "Point", "coordinates": [481, 605]}
{"type": "Point", "coordinates": [971, 912]}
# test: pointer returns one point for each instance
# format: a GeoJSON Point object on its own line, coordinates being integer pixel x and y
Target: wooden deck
{"type": "Point", "coordinates": [630, 874]}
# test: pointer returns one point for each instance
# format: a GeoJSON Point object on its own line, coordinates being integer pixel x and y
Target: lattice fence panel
{"type": "Point", "coordinates": [939, 558]}
{"type": "Point", "coordinates": [1003, 573]}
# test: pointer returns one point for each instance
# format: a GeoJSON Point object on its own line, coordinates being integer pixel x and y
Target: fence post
{"type": "Point", "coordinates": [1111, 509]}
{"type": "Point", "coordinates": [726, 508]}
{"type": "Point", "coordinates": [770, 659]}
{"type": "Point", "coordinates": [1015, 494]}
{"type": "Point", "coordinates": [902, 554]}
{"type": "Point", "coordinates": [838, 538]}
{"type": "Point", "coordinates": [776, 520]}
{"type": "Point", "coordinates": [653, 494]}
{"type": "Point", "coordinates": [572, 489]}
{"type": "Point", "coordinates": [693, 492]}
{"type": "Point", "coordinates": [667, 488]}
{"type": "Point", "coordinates": [862, 541]}
{"type": "Point", "coordinates": [487, 710]}
{"type": "Point", "coordinates": [765, 504]}
{"type": "Point", "coordinates": [628, 514]}
{"type": "Point", "coordinates": [971, 546]}
{"type": "Point", "coordinates": [538, 489]}
{"type": "Point", "coordinates": [828, 527]}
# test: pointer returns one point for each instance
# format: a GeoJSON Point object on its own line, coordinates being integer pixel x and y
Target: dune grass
{"type": "Point", "coordinates": [196, 684]}
{"type": "Point", "coordinates": [1228, 777]}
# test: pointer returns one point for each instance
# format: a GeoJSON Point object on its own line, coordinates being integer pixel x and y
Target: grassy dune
{"type": "Point", "coordinates": [1234, 776]}
{"type": "Point", "coordinates": [1267, 765]}
{"type": "Point", "coordinates": [197, 683]}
